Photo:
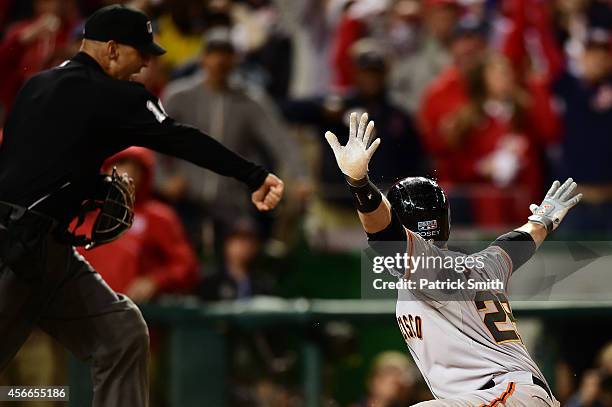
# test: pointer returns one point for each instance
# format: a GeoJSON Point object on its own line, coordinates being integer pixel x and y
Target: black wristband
{"type": "Point", "coordinates": [542, 220]}
{"type": "Point", "coordinates": [366, 196]}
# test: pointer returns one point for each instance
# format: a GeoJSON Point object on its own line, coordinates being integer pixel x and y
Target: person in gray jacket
{"type": "Point", "coordinates": [241, 119]}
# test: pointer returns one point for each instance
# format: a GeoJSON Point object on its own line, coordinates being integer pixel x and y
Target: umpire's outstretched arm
{"type": "Point", "coordinates": [136, 117]}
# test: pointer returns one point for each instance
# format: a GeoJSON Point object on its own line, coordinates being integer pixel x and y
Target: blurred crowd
{"type": "Point", "coordinates": [493, 98]}
{"type": "Point", "coordinates": [594, 387]}
{"type": "Point", "coordinates": [393, 382]}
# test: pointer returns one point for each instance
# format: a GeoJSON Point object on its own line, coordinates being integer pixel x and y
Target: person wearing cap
{"type": "Point", "coordinates": [402, 154]}
{"type": "Point", "coordinates": [585, 93]}
{"type": "Point", "coordinates": [433, 22]}
{"type": "Point", "coordinates": [393, 381]}
{"type": "Point", "coordinates": [237, 276]}
{"type": "Point", "coordinates": [65, 122]}
{"type": "Point", "coordinates": [153, 257]}
{"type": "Point", "coordinates": [244, 118]}
{"type": "Point", "coordinates": [27, 45]}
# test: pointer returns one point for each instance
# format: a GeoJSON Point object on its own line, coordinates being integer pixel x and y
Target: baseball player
{"type": "Point", "coordinates": [65, 122]}
{"type": "Point", "coordinates": [467, 347]}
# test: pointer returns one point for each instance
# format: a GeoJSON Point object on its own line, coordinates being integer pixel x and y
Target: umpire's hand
{"type": "Point", "coordinates": [269, 193]}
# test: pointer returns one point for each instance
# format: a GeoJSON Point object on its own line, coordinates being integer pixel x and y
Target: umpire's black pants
{"type": "Point", "coordinates": [46, 283]}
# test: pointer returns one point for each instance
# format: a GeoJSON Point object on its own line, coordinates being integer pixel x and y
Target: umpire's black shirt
{"type": "Point", "coordinates": [66, 121]}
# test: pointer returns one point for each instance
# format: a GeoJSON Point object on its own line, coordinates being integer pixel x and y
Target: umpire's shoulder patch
{"type": "Point", "coordinates": [157, 110]}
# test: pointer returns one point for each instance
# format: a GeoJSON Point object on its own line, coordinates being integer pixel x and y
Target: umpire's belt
{"type": "Point", "coordinates": [534, 379]}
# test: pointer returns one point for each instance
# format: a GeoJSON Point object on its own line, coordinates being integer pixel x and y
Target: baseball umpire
{"type": "Point", "coordinates": [65, 122]}
{"type": "Point", "coordinates": [464, 342]}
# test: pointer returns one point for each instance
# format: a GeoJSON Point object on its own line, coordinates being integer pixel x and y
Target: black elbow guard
{"type": "Point", "coordinates": [366, 196]}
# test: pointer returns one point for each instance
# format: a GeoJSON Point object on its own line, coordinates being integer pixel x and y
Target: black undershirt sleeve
{"type": "Point", "coordinates": [519, 245]}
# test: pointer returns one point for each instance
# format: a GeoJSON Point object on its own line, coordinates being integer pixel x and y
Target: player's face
{"type": "Point", "coordinates": [126, 61]}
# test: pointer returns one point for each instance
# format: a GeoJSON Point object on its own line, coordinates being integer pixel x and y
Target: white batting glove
{"type": "Point", "coordinates": [353, 158]}
{"type": "Point", "coordinates": [559, 199]}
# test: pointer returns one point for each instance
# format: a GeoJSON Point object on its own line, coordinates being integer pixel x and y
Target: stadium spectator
{"type": "Point", "coordinates": [29, 44]}
{"type": "Point", "coordinates": [348, 31]}
{"type": "Point", "coordinates": [448, 92]}
{"type": "Point", "coordinates": [596, 386]}
{"type": "Point", "coordinates": [486, 126]}
{"type": "Point", "coordinates": [237, 277]}
{"type": "Point", "coordinates": [402, 156]}
{"type": "Point", "coordinates": [586, 100]}
{"type": "Point", "coordinates": [413, 72]}
{"type": "Point", "coordinates": [262, 37]}
{"type": "Point", "coordinates": [180, 31]}
{"type": "Point", "coordinates": [153, 257]}
{"type": "Point", "coordinates": [595, 391]}
{"type": "Point", "coordinates": [572, 21]}
{"type": "Point", "coordinates": [5, 9]}
{"type": "Point", "coordinates": [604, 358]}
{"type": "Point", "coordinates": [400, 152]}
{"type": "Point", "coordinates": [312, 24]}
{"type": "Point", "coordinates": [392, 382]}
{"type": "Point", "coordinates": [245, 121]}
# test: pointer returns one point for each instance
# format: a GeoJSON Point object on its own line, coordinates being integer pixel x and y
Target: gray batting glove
{"type": "Point", "coordinates": [559, 199]}
{"type": "Point", "coordinates": [353, 158]}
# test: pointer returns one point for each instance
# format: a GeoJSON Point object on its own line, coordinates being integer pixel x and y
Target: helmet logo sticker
{"type": "Point", "coordinates": [427, 225]}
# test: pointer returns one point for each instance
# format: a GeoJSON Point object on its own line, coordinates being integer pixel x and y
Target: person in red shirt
{"type": "Point", "coordinates": [5, 9]}
{"type": "Point", "coordinates": [153, 256]}
{"type": "Point", "coordinates": [349, 30]}
{"type": "Point", "coordinates": [448, 92]}
{"type": "Point", "coordinates": [29, 44]}
{"type": "Point", "coordinates": [485, 125]}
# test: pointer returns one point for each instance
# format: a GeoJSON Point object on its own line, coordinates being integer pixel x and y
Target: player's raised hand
{"type": "Point", "coordinates": [269, 193]}
{"type": "Point", "coordinates": [353, 158]}
{"type": "Point", "coordinates": [558, 200]}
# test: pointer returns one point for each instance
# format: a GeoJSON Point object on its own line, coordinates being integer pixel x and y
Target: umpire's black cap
{"type": "Point", "coordinates": [124, 25]}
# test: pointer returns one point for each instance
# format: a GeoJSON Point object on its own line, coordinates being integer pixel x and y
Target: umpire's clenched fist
{"type": "Point", "coordinates": [269, 193]}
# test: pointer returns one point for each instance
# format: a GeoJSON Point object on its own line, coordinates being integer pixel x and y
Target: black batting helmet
{"type": "Point", "coordinates": [422, 207]}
